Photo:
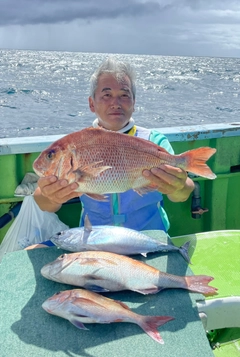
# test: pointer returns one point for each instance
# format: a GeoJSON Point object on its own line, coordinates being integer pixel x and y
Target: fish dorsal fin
{"type": "Point", "coordinates": [87, 224]}
{"type": "Point", "coordinates": [87, 229]}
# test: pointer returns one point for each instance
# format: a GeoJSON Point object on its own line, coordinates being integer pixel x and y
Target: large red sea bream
{"type": "Point", "coordinates": [103, 161]}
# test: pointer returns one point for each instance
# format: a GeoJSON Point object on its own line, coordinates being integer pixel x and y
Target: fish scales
{"type": "Point", "coordinates": [104, 271]}
{"type": "Point", "coordinates": [102, 161]}
{"type": "Point", "coordinates": [126, 160]}
{"type": "Point", "coordinates": [81, 306]}
{"type": "Point", "coordinates": [114, 239]}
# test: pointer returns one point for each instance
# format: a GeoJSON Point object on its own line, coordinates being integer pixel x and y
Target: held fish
{"type": "Point", "coordinates": [114, 239]}
{"type": "Point", "coordinates": [103, 161]}
{"type": "Point", "coordinates": [81, 306]}
{"type": "Point", "coordinates": [105, 271]}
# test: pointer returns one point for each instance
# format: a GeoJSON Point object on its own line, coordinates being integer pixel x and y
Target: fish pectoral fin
{"type": "Point", "coordinates": [143, 190]}
{"type": "Point", "coordinates": [91, 285]}
{"type": "Point", "coordinates": [90, 170]}
{"type": "Point", "coordinates": [78, 324]}
{"type": "Point", "coordinates": [96, 288]}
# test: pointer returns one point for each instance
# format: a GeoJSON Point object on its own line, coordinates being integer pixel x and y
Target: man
{"type": "Point", "coordinates": [112, 99]}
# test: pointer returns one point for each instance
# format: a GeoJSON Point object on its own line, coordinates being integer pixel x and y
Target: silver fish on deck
{"type": "Point", "coordinates": [114, 239]}
{"type": "Point", "coordinates": [103, 161]}
{"type": "Point", "coordinates": [81, 306]}
{"type": "Point", "coordinates": [105, 271]}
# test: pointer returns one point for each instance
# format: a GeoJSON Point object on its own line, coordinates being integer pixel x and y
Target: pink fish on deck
{"type": "Point", "coordinates": [81, 306]}
{"type": "Point", "coordinates": [104, 271]}
{"type": "Point", "coordinates": [103, 161]}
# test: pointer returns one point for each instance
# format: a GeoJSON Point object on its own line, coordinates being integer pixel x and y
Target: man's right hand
{"type": "Point", "coordinates": [51, 193]}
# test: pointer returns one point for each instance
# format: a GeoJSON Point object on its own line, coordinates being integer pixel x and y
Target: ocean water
{"type": "Point", "coordinates": [45, 93]}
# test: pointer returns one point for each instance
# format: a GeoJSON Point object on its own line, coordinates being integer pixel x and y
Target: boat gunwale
{"type": "Point", "coordinates": [32, 144]}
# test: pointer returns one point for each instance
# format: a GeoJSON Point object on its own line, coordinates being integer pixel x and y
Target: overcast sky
{"type": "Point", "coordinates": [161, 27]}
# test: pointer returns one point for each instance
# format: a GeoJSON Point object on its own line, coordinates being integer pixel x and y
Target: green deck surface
{"type": "Point", "coordinates": [218, 254]}
{"type": "Point", "coordinates": [27, 330]}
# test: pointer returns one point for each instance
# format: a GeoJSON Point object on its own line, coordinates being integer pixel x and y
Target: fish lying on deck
{"type": "Point", "coordinates": [103, 161]}
{"type": "Point", "coordinates": [105, 271]}
{"type": "Point", "coordinates": [114, 239]}
{"type": "Point", "coordinates": [81, 306]}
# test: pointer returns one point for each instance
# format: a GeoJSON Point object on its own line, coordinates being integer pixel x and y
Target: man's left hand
{"type": "Point", "coordinates": [171, 181]}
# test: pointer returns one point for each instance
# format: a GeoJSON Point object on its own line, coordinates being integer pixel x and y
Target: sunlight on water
{"type": "Point", "coordinates": [45, 93]}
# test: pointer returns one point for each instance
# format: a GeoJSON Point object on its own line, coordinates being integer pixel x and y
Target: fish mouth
{"type": "Point", "coordinates": [51, 270]}
{"type": "Point", "coordinates": [46, 307]}
{"type": "Point", "coordinates": [50, 305]}
{"type": "Point", "coordinates": [46, 273]}
{"type": "Point", "coordinates": [39, 173]}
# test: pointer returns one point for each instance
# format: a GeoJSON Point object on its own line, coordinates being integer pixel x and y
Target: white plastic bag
{"type": "Point", "coordinates": [31, 226]}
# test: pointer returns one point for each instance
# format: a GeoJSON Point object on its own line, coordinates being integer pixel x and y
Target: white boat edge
{"type": "Point", "coordinates": [19, 145]}
{"type": "Point", "coordinates": [220, 312]}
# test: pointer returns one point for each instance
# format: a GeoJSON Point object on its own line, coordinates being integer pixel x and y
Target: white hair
{"type": "Point", "coordinates": [118, 69]}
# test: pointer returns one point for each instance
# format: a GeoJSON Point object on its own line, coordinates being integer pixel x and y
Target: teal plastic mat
{"type": "Point", "coordinates": [27, 330]}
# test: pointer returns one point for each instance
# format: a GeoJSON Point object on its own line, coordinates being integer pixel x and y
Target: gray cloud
{"type": "Point", "coordinates": [30, 12]}
{"type": "Point", "coordinates": [167, 27]}
{"type": "Point", "coordinates": [25, 12]}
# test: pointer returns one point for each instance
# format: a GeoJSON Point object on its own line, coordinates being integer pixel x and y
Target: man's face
{"type": "Point", "coordinates": [113, 102]}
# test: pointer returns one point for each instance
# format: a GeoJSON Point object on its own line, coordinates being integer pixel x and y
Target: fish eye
{"type": "Point", "coordinates": [62, 256]}
{"type": "Point", "coordinates": [50, 155]}
{"type": "Point", "coordinates": [59, 233]}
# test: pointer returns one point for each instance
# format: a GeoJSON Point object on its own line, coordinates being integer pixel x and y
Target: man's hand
{"type": "Point", "coordinates": [171, 181]}
{"type": "Point", "coordinates": [51, 193]}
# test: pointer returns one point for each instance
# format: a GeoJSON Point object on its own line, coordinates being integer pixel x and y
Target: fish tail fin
{"type": "Point", "coordinates": [196, 161]}
{"type": "Point", "coordinates": [184, 251]}
{"type": "Point", "coordinates": [199, 284]}
{"type": "Point", "coordinates": [149, 324]}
